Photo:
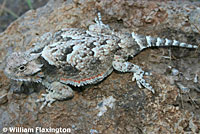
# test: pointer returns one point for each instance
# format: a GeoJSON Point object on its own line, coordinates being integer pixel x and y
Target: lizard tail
{"type": "Point", "coordinates": [148, 41]}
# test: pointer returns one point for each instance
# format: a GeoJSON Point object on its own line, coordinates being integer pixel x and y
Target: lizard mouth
{"type": "Point", "coordinates": [24, 67]}
{"type": "Point", "coordinates": [34, 78]}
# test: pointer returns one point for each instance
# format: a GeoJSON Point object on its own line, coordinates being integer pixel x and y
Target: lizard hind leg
{"type": "Point", "coordinates": [56, 91]}
{"type": "Point", "coordinates": [98, 19]}
{"type": "Point", "coordinates": [99, 26]}
{"type": "Point", "coordinates": [121, 65]}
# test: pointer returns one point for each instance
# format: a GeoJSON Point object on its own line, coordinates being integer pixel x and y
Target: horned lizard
{"type": "Point", "coordinates": [78, 57]}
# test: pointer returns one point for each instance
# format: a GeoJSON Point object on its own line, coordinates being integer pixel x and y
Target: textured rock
{"type": "Point", "coordinates": [134, 110]}
{"type": "Point", "coordinates": [194, 19]}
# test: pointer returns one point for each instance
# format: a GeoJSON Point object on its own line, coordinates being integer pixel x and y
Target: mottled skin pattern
{"type": "Point", "coordinates": [78, 57]}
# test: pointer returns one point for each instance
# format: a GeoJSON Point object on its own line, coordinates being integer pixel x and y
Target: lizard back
{"type": "Point", "coordinates": [82, 57]}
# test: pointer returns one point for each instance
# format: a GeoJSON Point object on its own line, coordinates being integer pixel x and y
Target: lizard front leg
{"type": "Point", "coordinates": [56, 91]}
{"type": "Point", "coordinates": [121, 65]}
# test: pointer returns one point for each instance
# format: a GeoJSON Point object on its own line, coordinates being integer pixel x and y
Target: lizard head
{"type": "Point", "coordinates": [23, 66]}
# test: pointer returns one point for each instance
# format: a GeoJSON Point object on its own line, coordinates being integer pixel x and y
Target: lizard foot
{"type": "Point", "coordinates": [57, 91]}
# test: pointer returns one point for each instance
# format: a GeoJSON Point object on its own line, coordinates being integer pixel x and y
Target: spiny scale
{"type": "Point", "coordinates": [90, 80]}
{"type": "Point", "coordinates": [148, 41]}
{"type": "Point", "coordinates": [142, 41]}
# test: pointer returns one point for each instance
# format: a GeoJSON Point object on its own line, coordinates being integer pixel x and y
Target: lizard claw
{"type": "Point", "coordinates": [47, 99]}
{"type": "Point", "coordinates": [57, 91]}
{"type": "Point", "coordinates": [141, 81]}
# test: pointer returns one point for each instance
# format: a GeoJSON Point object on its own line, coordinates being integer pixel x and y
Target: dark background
{"type": "Point", "coordinates": [12, 9]}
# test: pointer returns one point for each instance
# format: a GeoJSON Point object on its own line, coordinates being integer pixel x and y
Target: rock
{"type": "Point", "coordinates": [136, 111]}
{"type": "Point", "coordinates": [194, 19]}
{"type": "Point", "coordinates": [3, 99]}
{"type": "Point", "coordinates": [175, 72]}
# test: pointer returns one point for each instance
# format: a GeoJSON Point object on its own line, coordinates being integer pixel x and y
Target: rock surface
{"type": "Point", "coordinates": [130, 109]}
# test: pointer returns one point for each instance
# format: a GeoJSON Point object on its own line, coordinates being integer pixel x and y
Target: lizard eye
{"type": "Point", "coordinates": [22, 68]}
